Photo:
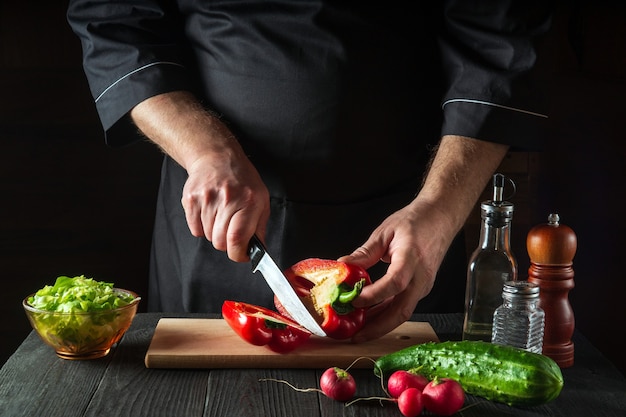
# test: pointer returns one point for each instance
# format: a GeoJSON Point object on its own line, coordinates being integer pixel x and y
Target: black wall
{"type": "Point", "coordinates": [69, 205]}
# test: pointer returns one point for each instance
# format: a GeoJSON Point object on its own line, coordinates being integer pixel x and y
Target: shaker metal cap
{"type": "Point", "coordinates": [524, 289]}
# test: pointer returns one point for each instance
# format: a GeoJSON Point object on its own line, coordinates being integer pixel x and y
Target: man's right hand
{"type": "Point", "coordinates": [224, 197]}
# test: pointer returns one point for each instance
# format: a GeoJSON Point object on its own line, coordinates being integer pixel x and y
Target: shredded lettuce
{"type": "Point", "coordinates": [84, 323]}
{"type": "Point", "coordinates": [78, 294]}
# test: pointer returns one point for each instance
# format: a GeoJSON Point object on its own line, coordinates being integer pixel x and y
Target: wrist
{"type": "Point", "coordinates": [460, 169]}
{"type": "Point", "coordinates": [178, 124]}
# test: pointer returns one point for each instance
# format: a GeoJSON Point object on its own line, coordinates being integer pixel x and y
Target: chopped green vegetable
{"type": "Point", "coordinates": [78, 294]}
{"type": "Point", "coordinates": [75, 314]}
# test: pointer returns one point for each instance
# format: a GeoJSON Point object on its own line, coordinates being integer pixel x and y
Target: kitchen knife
{"type": "Point", "coordinates": [262, 262]}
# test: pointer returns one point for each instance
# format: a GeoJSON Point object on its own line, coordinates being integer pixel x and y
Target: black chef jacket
{"type": "Point", "coordinates": [338, 106]}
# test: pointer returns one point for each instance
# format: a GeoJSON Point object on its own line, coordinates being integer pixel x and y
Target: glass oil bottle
{"type": "Point", "coordinates": [491, 264]}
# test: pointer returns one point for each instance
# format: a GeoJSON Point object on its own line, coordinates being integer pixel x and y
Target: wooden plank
{"type": "Point", "coordinates": [129, 389]}
{"type": "Point", "coordinates": [246, 392]}
{"type": "Point", "coordinates": [35, 382]}
{"type": "Point", "coordinates": [211, 343]}
{"type": "Point", "coordinates": [42, 384]}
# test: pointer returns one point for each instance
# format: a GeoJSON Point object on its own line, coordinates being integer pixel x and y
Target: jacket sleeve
{"type": "Point", "coordinates": [130, 52]}
{"type": "Point", "coordinates": [488, 54]}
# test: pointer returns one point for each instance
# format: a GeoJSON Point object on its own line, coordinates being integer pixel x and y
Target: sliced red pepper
{"type": "Point", "coordinates": [263, 327]}
{"type": "Point", "coordinates": [328, 287]}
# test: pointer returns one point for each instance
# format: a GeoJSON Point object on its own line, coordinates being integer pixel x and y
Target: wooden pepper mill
{"type": "Point", "coordinates": [551, 248]}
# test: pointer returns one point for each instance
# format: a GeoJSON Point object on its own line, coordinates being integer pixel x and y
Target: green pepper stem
{"type": "Point", "coordinates": [347, 296]}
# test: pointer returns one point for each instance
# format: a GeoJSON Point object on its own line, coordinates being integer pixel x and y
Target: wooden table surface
{"type": "Point", "coordinates": [35, 382]}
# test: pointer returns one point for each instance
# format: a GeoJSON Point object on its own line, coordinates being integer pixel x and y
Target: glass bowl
{"type": "Point", "coordinates": [82, 335]}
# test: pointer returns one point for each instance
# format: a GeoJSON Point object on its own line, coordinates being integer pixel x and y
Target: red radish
{"type": "Point", "coordinates": [443, 396]}
{"type": "Point", "coordinates": [401, 380]}
{"type": "Point", "coordinates": [337, 384]}
{"type": "Point", "coordinates": [410, 402]}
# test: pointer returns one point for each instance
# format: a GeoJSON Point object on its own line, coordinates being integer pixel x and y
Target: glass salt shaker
{"type": "Point", "coordinates": [519, 322]}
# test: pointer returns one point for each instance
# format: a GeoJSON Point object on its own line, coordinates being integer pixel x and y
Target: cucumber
{"type": "Point", "coordinates": [498, 373]}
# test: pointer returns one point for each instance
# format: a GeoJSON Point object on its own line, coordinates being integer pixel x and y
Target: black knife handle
{"type": "Point", "coordinates": [256, 250]}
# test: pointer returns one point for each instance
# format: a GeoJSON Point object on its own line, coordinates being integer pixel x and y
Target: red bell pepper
{"type": "Point", "coordinates": [263, 327]}
{"type": "Point", "coordinates": [328, 288]}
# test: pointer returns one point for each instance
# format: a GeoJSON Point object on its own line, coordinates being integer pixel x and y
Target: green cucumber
{"type": "Point", "coordinates": [498, 373]}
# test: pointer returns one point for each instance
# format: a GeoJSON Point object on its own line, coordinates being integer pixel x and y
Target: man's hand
{"type": "Point", "coordinates": [224, 198]}
{"type": "Point", "coordinates": [415, 239]}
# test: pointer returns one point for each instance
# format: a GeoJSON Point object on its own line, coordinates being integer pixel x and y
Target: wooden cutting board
{"type": "Point", "coordinates": [211, 343]}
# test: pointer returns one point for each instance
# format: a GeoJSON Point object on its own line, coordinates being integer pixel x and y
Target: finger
{"type": "Point", "coordinates": [395, 312]}
{"type": "Point", "coordinates": [366, 255]}
{"type": "Point", "coordinates": [193, 216]}
{"type": "Point", "coordinates": [262, 224]}
{"type": "Point", "coordinates": [220, 226]}
{"type": "Point", "coordinates": [394, 282]}
{"type": "Point", "coordinates": [243, 225]}
{"type": "Point", "coordinates": [386, 319]}
{"type": "Point", "coordinates": [378, 309]}
{"type": "Point", "coordinates": [238, 241]}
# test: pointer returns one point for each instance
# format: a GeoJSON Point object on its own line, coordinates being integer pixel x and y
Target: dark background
{"type": "Point", "coordinates": [69, 205]}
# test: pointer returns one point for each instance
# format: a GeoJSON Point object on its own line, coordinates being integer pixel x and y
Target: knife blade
{"type": "Point", "coordinates": [263, 263]}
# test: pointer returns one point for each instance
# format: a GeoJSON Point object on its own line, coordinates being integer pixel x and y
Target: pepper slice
{"type": "Point", "coordinates": [328, 288]}
{"type": "Point", "coordinates": [263, 327]}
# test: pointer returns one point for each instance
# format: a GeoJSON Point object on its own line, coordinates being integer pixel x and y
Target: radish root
{"type": "Point", "coordinates": [291, 386]}
{"type": "Point", "coordinates": [380, 400]}
{"type": "Point", "coordinates": [358, 359]}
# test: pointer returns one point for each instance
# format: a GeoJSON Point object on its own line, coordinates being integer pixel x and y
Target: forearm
{"type": "Point", "coordinates": [459, 172]}
{"type": "Point", "coordinates": [182, 128]}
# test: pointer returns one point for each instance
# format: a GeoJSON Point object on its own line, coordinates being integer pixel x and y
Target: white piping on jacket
{"type": "Point", "coordinates": [133, 72]}
{"type": "Point", "coordinates": [487, 103]}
